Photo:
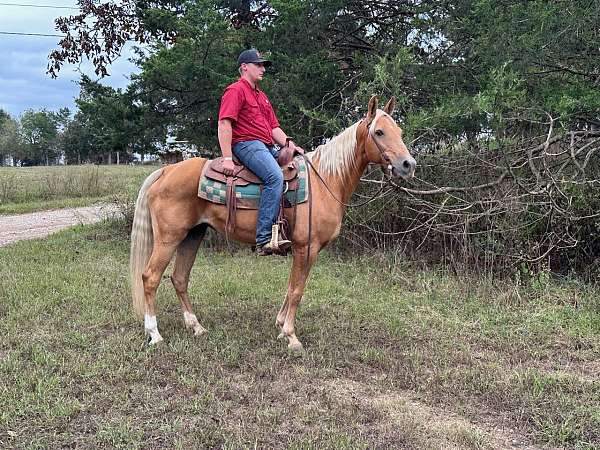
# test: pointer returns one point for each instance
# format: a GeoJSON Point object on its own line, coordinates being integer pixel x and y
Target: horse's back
{"type": "Point", "coordinates": [173, 198]}
{"type": "Point", "coordinates": [180, 179]}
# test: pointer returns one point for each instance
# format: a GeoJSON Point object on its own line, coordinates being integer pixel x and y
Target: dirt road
{"type": "Point", "coordinates": [42, 223]}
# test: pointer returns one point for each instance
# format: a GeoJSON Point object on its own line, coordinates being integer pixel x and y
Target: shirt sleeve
{"type": "Point", "coordinates": [272, 118]}
{"type": "Point", "coordinates": [231, 104]}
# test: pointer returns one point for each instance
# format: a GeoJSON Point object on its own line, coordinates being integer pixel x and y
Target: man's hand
{"type": "Point", "coordinates": [294, 148]}
{"type": "Point", "coordinates": [228, 167]}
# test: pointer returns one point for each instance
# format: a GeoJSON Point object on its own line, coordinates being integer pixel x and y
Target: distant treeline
{"type": "Point", "coordinates": [106, 128]}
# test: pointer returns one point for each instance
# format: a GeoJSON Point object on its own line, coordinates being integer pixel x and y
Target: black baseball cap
{"type": "Point", "coordinates": [252, 56]}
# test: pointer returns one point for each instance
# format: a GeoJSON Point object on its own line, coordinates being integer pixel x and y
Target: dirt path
{"type": "Point", "coordinates": [42, 223]}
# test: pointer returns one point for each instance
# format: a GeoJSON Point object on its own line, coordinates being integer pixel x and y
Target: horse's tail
{"type": "Point", "coordinates": [141, 243]}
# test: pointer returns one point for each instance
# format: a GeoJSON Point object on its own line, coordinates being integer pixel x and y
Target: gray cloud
{"type": "Point", "coordinates": [23, 60]}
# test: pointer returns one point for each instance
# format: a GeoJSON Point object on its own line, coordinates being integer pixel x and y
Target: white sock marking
{"type": "Point", "coordinates": [190, 318]}
{"type": "Point", "coordinates": [151, 327]}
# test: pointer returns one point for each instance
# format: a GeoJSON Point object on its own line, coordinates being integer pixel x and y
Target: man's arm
{"type": "Point", "coordinates": [279, 136]}
{"type": "Point", "coordinates": [231, 103]}
{"type": "Point", "coordinates": [225, 137]}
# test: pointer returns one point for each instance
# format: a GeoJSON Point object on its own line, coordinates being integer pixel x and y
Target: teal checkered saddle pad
{"type": "Point", "coordinates": [248, 197]}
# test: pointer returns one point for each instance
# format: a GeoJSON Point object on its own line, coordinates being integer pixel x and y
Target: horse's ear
{"type": "Point", "coordinates": [372, 109]}
{"type": "Point", "coordinates": [390, 105]}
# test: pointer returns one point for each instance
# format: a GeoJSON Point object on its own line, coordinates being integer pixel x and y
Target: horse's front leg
{"type": "Point", "coordinates": [298, 276]}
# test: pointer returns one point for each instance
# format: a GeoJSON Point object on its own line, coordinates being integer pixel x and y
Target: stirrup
{"type": "Point", "coordinates": [278, 245]}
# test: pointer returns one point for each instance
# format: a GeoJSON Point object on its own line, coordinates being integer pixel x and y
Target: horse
{"type": "Point", "coordinates": [169, 217]}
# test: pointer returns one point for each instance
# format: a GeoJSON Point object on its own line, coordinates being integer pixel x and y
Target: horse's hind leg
{"type": "Point", "coordinates": [186, 255]}
{"type": "Point", "coordinates": [159, 260]}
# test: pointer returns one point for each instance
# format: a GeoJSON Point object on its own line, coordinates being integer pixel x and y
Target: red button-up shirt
{"type": "Point", "coordinates": [250, 111]}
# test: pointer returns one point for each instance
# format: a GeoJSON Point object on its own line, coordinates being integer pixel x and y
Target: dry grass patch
{"type": "Point", "coordinates": [27, 189]}
{"type": "Point", "coordinates": [430, 427]}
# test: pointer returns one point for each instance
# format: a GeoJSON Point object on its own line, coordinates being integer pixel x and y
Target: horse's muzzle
{"type": "Point", "coordinates": [404, 167]}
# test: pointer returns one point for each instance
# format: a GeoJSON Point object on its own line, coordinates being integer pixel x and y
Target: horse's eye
{"type": "Point", "coordinates": [379, 132]}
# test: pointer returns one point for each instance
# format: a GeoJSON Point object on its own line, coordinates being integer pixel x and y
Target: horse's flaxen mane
{"type": "Point", "coordinates": [337, 156]}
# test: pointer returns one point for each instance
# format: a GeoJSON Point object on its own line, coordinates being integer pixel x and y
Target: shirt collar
{"type": "Point", "coordinates": [247, 83]}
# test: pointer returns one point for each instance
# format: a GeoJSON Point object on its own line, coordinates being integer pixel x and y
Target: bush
{"type": "Point", "coordinates": [492, 206]}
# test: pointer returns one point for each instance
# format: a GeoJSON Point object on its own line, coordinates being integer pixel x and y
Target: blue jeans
{"type": "Point", "coordinates": [260, 159]}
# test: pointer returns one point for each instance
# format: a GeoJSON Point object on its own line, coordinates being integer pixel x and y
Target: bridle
{"type": "Point", "coordinates": [382, 152]}
{"type": "Point", "coordinates": [384, 157]}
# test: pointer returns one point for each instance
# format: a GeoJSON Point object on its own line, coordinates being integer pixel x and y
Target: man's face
{"type": "Point", "coordinates": [255, 71]}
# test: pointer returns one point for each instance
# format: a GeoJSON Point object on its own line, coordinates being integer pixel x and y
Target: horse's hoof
{"type": "Point", "coordinates": [295, 347]}
{"type": "Point", "coordinates": [199, 331]}
{"type": "Point", "coordinates": [153, 341]}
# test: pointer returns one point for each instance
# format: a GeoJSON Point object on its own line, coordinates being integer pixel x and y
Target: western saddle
{"type": "Point", "coordinates": [242, 176]}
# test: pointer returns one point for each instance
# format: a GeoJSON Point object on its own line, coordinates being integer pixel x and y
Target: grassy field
{"type": "Point", "coordinates": [395, 357]}
{"type": "Point", "coordinates": [26, 189]}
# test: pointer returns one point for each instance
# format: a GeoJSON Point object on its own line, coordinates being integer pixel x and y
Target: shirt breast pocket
{"type": "Point", "coordinates": [254, 111]}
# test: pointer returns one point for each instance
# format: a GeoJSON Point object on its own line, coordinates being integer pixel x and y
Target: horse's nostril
{"type": "Point", "coordinates": [405, 167]}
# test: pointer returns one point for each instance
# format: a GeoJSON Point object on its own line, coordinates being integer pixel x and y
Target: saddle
{"type": "Point", "coordinates": [242, 176]}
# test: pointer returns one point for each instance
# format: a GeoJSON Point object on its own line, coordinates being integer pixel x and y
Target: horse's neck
{"type": "Point", "coordinates": [344, 184]}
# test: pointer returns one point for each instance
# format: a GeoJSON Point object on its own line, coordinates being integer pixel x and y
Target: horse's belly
{"type": "Point", "coordinates": [245, 223]}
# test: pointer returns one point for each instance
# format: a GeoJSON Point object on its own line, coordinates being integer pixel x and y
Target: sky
{"type": "Point", "coordinates": [23, 60]}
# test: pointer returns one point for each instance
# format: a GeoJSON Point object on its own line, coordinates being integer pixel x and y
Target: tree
{"type": "Point", "coordinates": [78, 140]}
{"type": "Point", "coordinates": [111, 121]}
{"type": "Point", "coordinates": [40, 133]}
{"type": "Point", "coordinates": [4, 116]}
{"type": "Point", "coordinates": [10, 142]}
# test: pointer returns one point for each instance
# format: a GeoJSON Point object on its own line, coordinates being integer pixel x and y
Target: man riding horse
{"type": "Point", "coordinates": [248, 128]}
{"type": "Point", "coordinates": [171, 217]}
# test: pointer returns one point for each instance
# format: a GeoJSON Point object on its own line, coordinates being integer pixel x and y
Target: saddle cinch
{"type": "Point", "coordinates": [242, 189]}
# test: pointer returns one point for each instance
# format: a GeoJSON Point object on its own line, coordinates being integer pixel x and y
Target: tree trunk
{"type": "Point", "coordinates": [109, 158]}
{"type": "Point", "coordinates": [117, 158]}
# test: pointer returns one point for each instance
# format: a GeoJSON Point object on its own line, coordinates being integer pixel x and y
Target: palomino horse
{"type": "Point", "coordinates": [169, 216]}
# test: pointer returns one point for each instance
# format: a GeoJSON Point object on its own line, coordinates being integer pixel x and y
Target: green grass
{"type": "Point", "coordinates": [395, 357]}
{"type": "Point", "coordinates": [27, 189]}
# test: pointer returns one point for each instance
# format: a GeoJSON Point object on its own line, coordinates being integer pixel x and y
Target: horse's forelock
{"type": "Point", "coordinates": [380, 113]}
